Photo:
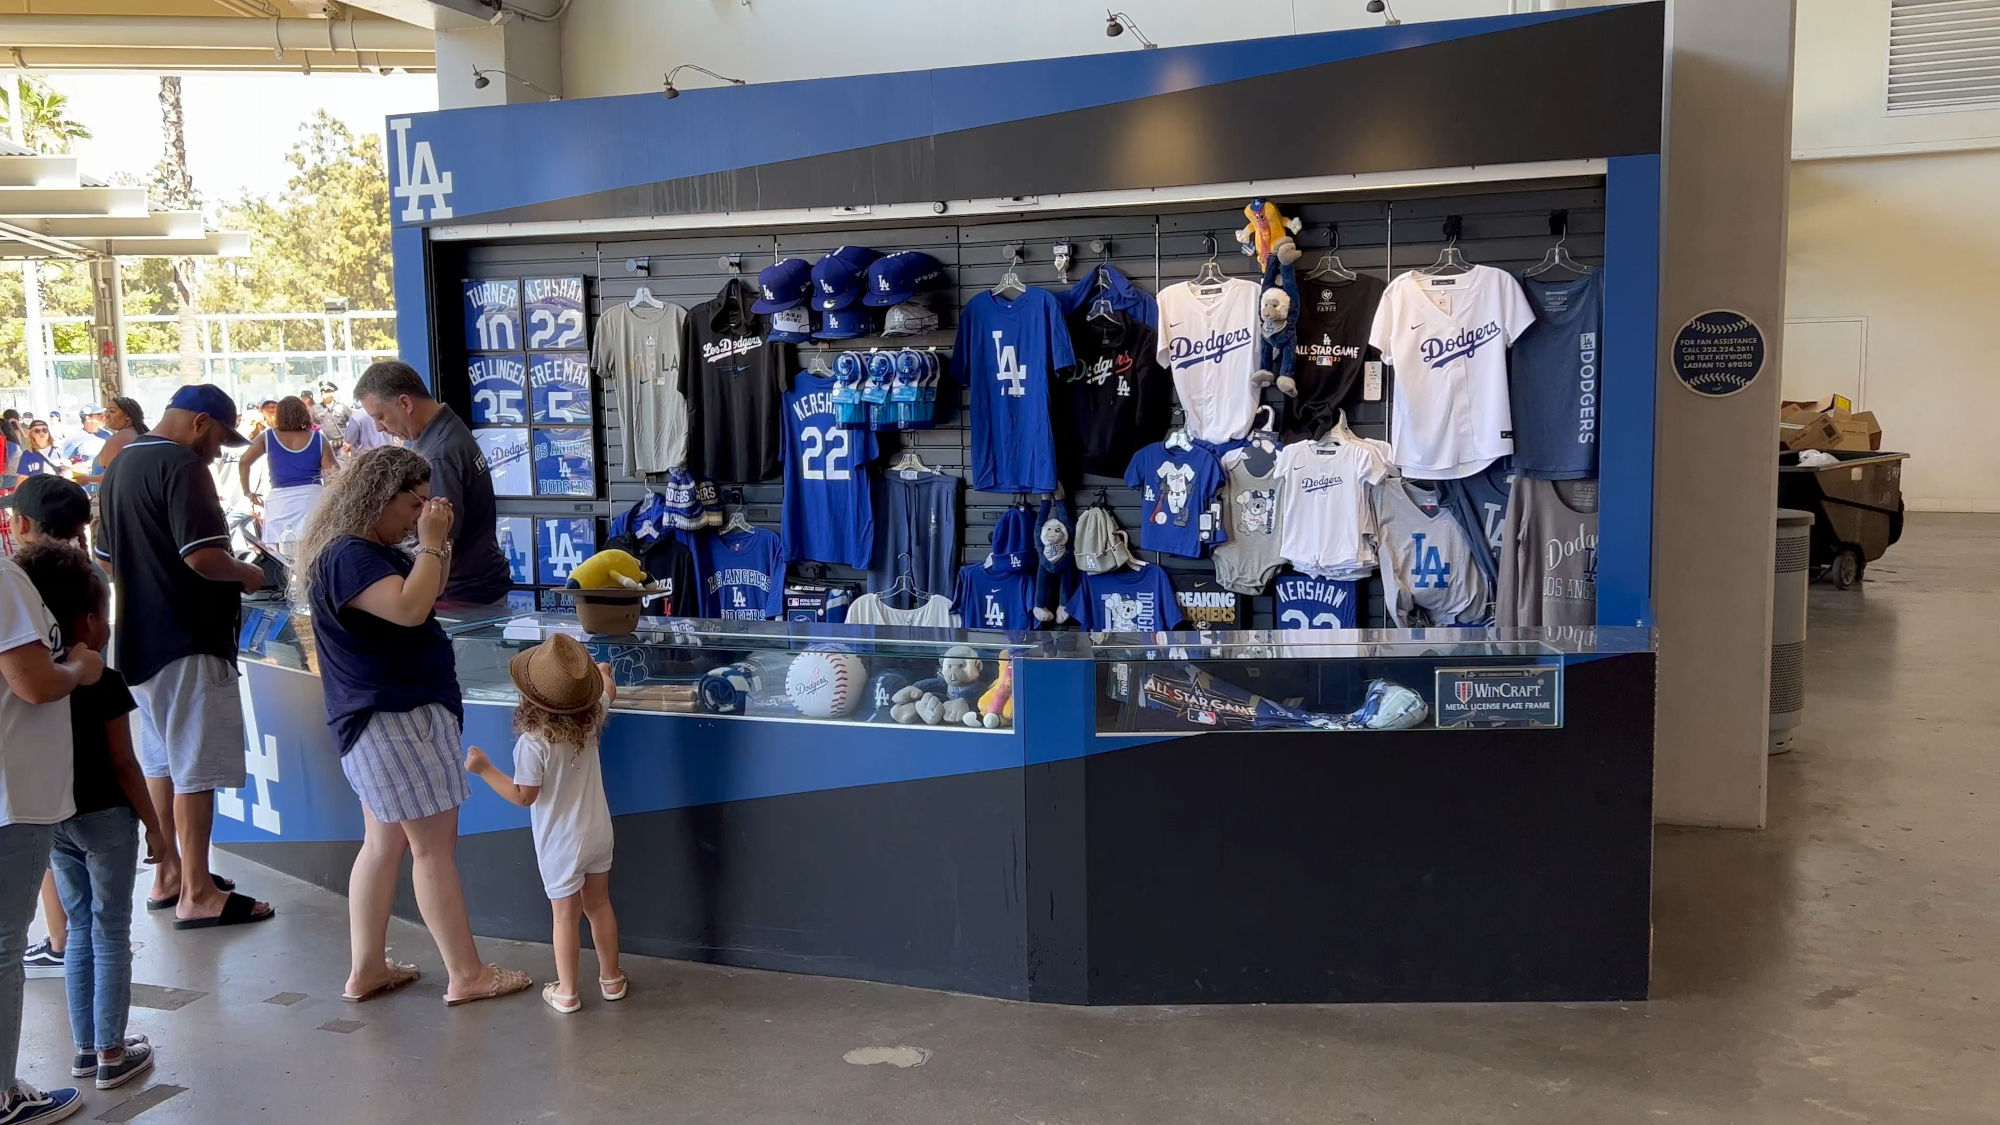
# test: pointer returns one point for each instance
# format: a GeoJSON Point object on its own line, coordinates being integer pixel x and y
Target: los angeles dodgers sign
{"type": "Point", "coordinates": [1493, 698]}
{"type": "Point", "coordinates": [1718, 353]}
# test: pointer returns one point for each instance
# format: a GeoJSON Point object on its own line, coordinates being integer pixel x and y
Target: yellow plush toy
{"type": "Point", "coordinates": [1268, 232]}
{"type": "Point", "coordinates": [996, 706]}
{"type": "Point", "coordinates": [608, 569]}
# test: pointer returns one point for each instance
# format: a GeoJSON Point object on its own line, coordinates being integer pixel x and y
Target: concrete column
{"type": "Point", "coordinates": [1726, 171]}
{"type": "Point", "coordinates": [107, 290]}
{"type": "Point", "coordinates": [526, 49]}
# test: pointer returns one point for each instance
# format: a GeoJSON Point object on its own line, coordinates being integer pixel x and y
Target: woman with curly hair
{"type": "Point", "coordinates": [393, 703]}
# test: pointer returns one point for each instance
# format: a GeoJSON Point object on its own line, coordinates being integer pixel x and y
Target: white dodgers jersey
{"type": "Point", "coordinates": [1324, 519]}
{"type": "Point", "coordinates": [1210, 344]}
{"type": "Point", "coordinates": [1447, 337]}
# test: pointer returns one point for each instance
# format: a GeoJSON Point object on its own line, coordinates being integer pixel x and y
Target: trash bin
{"type": "Point", "coordinates": [1859, 504]}
{"type": "Point", "coordinates": [1788, 626]}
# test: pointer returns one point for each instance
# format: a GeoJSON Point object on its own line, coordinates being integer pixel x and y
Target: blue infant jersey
{"type": "Point", "coordinates": [1125, 601]}
{"type": "Point", "coordinates": [1006, 354]}
{"type": "Point", "coordinates": [829, 509]}
{"type": "Point", "coordinates": [1176, 488]}
{"type": "Point", "coordinates": [1305, 602]}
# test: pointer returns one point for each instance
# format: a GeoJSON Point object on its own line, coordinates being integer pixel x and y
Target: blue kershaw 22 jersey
{"type": "Point", "coordinates": [829, 515]}
{"type": "Point", "coordinates": [1006, 354]}
{"type": "Point", "coordinates": [1305, 602]}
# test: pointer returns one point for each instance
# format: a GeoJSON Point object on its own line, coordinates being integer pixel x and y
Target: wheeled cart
{"type": "Point", "coordinates": [1859, 505]}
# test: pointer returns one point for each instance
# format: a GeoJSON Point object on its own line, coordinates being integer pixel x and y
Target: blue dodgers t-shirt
{"type": "Point", "coordinates": [1305, 602]}
{"type": "Point", "coordinates": [1126, 601]}
{"type": "Point", "coordinates": [742, 575]}
{"type": "Point", "coordinates": [1176, 487]}
{"type": "Point", "coordinates": [1006, 354]}
{"type": "Point", "coordinates": [367, 664]}
{"type": "Point", "coordinates": [984, 600]}
{"type": "Point", "coordinates": [1553, 382]}
{"type": "Point", "coordinates": [829, 511]}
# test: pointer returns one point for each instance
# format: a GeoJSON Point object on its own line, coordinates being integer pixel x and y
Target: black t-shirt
{"type": "Point", "coordinates": [734, 381]}
{"type": "Point", "coordinates": [1207, 604]}
{"type": "Point", "coordinates": [92, 707]}
{"type": "Point", "coordinates": [459, 473]}
{"type": "Point", "coordinates": [367, 664]}
{"type": "Point", "coordinates": [159, 505]}
{"type": "Point", "coordinates": [668, 562]}
{"type": "Point", "coordinates": [1116, 401]}
{"type": "Point", "coordinates": [1334, 318]}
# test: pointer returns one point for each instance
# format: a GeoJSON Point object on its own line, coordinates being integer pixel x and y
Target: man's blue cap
{"type": "Point", "coordinates": [783, 286]}
{"type": "Point", "coordinates": [209, 399]}
{"type": "Point", "coordinates": [899, 277]}
{"type": "Point", "coordinates": [837, 279]}
{"type": "Point", "coordinates": [791, 326]}
{"type": "Point", "coordinates": [845, 324]}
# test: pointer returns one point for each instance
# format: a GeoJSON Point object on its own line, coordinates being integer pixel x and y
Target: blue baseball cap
{"type": "Point", "coordinates": [791, 326]}
{"type": "Point", "coordinates": [783, 286]}
{"type": "Point", "coordinates": [837, 279]}
{"type": "Point", "coordinates": [898, 277]}
{"type": "Point", "coordinates": [881, 697]}
{"type": "Point", "coordinates": [845, 324]}
{"type": "Point", "coordinates": [209, 399]}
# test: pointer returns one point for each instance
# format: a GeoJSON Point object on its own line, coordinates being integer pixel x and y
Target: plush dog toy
{"type": "Point", "coordinates": [996, 706]}
{"type": "Point", "coordinates": [1268, 238]}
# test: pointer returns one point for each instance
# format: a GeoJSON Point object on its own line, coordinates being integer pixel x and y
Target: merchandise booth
{"type": "Point", "coordinates": [1050, 612]}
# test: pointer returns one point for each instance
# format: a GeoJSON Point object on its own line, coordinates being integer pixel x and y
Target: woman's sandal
{"type": "Point", "coordinates": [400, 976]}
{"type": "Point", "coordinates": [613, 989]}
{"type": "Point", "coordinates": [506, 982]}
{"type": "Point", "coordinates": [567, 1005]}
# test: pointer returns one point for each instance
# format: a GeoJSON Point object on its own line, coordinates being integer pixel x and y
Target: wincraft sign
{"type": "Point", "coordinates": [1490, 698]}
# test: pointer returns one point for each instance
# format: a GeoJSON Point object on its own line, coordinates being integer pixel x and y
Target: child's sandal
{"type": "Point", "coordinates": [567, 1005]}
{"type": "Point", "coordinates": [613, 989]}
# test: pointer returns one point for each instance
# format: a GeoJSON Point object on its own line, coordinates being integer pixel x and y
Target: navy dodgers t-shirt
{"type": "Point", "coordinates": [368, 664]}
{"type": "Point", "coordinates": [1554, 378]}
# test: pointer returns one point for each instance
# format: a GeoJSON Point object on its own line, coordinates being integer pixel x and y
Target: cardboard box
{"type": "Point", "coordinates": [1827, 425]}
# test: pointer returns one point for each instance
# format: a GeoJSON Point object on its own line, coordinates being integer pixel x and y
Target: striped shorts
{"type": "Point", "coordinates": [405, 765]}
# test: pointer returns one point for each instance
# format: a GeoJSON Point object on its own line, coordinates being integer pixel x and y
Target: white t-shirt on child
{"type": "Point", "coordinates": [571, 819]}
{"type": "Point", "coordinates": [35, 758]}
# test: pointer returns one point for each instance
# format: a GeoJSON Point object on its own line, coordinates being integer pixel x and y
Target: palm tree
{"type": "Point", "coordinates": [177, 186]}
{"type": "Point", "coordinates": [45, 125]}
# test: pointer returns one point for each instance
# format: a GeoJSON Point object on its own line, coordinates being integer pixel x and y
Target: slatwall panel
{"type": "Point", "coordinates": [1504, 228]}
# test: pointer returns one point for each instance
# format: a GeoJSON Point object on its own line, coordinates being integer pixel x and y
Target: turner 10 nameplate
{"type": "Point", "coordinates": [1490, 698]}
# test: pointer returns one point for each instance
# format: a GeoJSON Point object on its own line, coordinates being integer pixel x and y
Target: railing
{"type": "Point", "coordinates": [254, 356]}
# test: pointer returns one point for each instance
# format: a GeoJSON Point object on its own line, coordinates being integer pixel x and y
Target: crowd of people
{"type": "Point", "coordinates": [120, 715]}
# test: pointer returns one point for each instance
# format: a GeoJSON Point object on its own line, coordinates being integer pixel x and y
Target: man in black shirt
{"type": "Point", "coordinates": [179, 605]}
{"type": "Point", "coordinates": [395, 396]}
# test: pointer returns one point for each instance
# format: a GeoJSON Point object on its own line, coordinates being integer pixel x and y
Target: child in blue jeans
{"type": "Point", "coordinates": [95, 853]}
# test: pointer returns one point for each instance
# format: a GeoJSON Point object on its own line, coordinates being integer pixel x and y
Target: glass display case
{"type": "Point", "coordinates": [845, 674]}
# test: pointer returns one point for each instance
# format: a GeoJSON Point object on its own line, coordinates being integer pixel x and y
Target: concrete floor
{"type": "Point", "coordinates": [1837, 968]}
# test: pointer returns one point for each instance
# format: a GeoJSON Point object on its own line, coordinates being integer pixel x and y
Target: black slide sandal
{"type": "Point", "coordinates": [237, 910]}
{"type": "Point", "coordinates": [173, 900]}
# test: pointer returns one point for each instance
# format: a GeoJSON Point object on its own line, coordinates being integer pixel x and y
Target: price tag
{"type": "Point", "coordinates": [1371, 381]}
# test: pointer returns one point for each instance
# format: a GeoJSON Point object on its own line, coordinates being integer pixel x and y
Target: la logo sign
{"type": "Point", "coordinates": [417, 177]}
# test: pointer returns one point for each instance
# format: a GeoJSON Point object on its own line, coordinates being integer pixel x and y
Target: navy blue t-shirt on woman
{"type": "Point", "coordinates": [367, 664]}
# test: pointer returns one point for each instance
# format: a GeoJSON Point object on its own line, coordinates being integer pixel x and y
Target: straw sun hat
{"type": "Point", "coordinates": [557, 675]}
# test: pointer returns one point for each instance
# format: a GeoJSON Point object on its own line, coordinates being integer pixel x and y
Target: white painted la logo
{"type": "Point", "coordinates": [421, 181]}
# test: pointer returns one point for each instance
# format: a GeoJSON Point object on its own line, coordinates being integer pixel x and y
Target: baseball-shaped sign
{"type": "Point", "coordinates": [826, 685]}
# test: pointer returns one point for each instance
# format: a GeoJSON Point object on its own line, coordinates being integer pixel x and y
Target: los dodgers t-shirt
{"type": "Point", "coordinates": [1126, 601]}
{"type": "Point", "coordinates": [1176, 487]}
{"type": "Point", "coordinates": [1554, 380]}
{"type": "Point", "coordinates": [1007, 353]}
{"type": "Point", "coordinates": [1208, 341]}
{"type": "Point", "coordinates": [742, 575]}
{"type": "Point", "coordinates": [1447, 336]}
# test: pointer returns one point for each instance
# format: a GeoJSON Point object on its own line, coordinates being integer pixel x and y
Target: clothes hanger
{"type": "Point", "coordinates": [1329, 264]}
{"type": "Point", "coordinates": [1209, 279]}
{"type": "Point", "coordinates": [1558, 256]}
{"type": "Point", "coordinates": [1178, 438]}
{"type": "Point", "coordinates": [1101, 309]}
{"type": "Point", "coordinates": [1450, 260]}
{"type": "Point", "coordinates": [908, 460]}
{"type": "Point", "coordinates": [644, 299]}
{"type": "Point", "coordinates": [1011, 286]}
{"type": "Point", "coordinates": [904, 584]}
{"type": "Point", "coordinates": [737, 520]}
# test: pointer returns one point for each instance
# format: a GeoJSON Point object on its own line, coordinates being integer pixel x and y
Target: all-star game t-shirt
{"type": "Point", "coordinates": [1118, 400]}
{"type": "Point", "coordinates": [1007, 354]}
{"type": "Point", "coordinates": [735, 380]}
{"type": "Point", "coordinates": [1334, 318]}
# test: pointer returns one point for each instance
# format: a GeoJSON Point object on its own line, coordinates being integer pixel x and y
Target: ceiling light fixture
{"type": "Point", "coordinates": [1118, 23]}
{"type": "Point", "coordinates": [1381, 8]}
{"type": "Point", "coordinates": [480, 81]}
{"type": "Point", "coordinates": [673, 92]}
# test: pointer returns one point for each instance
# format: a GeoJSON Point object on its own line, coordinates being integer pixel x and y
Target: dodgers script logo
{"type": "Point", "coordinates": [1320, 484]}
{"type": "Point", "coordinates": [1188, 351]}
{"type": "Point", "coordinates": [730, 349]}
{"type": "Point", "coordinates": [1440, 350]}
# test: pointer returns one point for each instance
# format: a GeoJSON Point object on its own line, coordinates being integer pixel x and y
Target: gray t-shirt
{"type": "Point", "coordinates": [639, 350]}
{"type": "Point", "coordinates": [1548, 554]}
{"type": "Point", "coordinates": [459, 473]}
{"type": "Point", "coordinates": [1428, 574]}
{"type": "Point", "coordinates": [1246, 562]}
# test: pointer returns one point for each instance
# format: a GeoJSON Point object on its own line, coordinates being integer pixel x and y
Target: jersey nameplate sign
{"type": "Point", "coordinates": [1718, 353]}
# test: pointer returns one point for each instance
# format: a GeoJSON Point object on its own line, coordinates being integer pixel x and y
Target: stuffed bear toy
{"type": "Point", "coordinates": [996, 706]}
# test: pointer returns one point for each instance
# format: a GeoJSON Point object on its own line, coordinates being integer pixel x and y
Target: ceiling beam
{"type": "Point", "coordinates": [159, 224]}
{"type": "Point", "coordinates": [39, 171]}
{"type": "Point", "coordinates": [212, 33]}
{"type": "Point", "coordinates": [19, 203]}
{"type": "Point", "coordinates": [187, 59]}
